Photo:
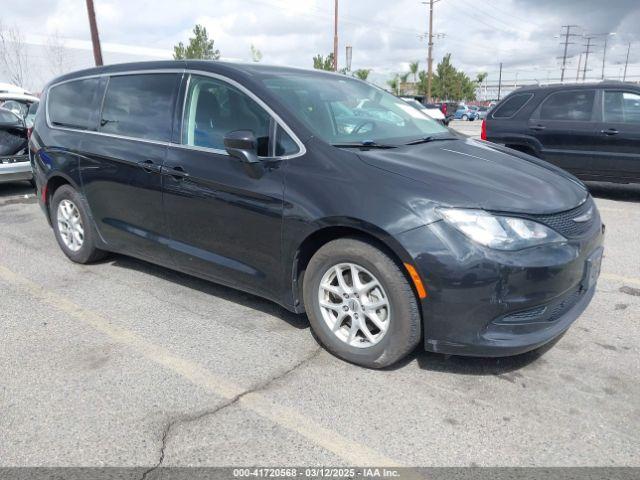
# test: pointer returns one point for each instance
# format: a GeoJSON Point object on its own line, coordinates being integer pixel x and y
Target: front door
{"type": "Point", "coordinates": [121, 174]}
{"type": "Point", "coordinates": [565, 126]}
{"type": "Point", "coordinates": [225, 216]}
{"type": "Point", "coordinates": [619, 135]}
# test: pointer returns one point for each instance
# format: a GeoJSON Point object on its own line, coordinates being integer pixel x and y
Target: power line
{"type": "Point", "coordinates": [586, 57]}
{"type": "Point", "coordinates": [567, 35]}
{"type": "Point", "coordinates": [626, 63]}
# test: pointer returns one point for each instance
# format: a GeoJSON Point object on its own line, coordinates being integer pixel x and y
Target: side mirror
{"type": "Point", "coordinates": [242, 144]}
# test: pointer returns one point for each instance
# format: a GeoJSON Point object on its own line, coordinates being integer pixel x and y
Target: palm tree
{"type": "Point", "coordinates": [404, 78]}
{"type": "Point", "coordinates": [414, 67]}
{"type": "Point", "coordinates": [362, 73]}
{"type": "Point", "coordinates": [393, 84]}
{"type": "Point", "coordinates": [481, 77]}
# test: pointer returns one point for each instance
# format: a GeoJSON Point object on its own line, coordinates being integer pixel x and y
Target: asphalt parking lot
{"type": "Point", "coordinates": [124, 363]}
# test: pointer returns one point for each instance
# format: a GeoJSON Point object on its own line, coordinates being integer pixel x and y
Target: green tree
{"type": "Point", "coordinates": [323, 63]}
{"type": "Point", "coordinates": [394, 84]}
{"type": "Point", "coordinates": [449, 83]}
{"type": "Point", "coordinates": [481, 77]}
{"type": "Point", "coordinates": [362, 73]}
{"type": "Point", "coordinates": [414, 67]}
{"type": "Point", "coordinates": [256, 55]}
{"type": "Point", "coordinates": [200, 47]}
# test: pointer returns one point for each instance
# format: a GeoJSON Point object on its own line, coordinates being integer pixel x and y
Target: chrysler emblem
{"type": "Point", "coordinates": [585, 217]}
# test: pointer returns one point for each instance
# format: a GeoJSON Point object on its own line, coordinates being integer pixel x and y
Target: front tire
{"type": "Point", "coordinates": [465, 118]}
{"type": "Point", "coordinates": [72, 226]}
{"type": "Point", "coordinates": [360, 304]}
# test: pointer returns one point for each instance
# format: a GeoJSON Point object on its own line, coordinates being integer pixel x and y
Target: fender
{"type": "Point", "coordinates": [323, 231]}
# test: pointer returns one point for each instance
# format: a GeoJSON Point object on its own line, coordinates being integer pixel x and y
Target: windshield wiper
{"type": "Point", "coordinates": [429, 139]}
{"type": "Point", "coordinates": [365, 144]}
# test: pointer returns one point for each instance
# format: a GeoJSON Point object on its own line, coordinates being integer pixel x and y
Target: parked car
{"type": "Point", "coordinates": [482, 112]}
{"type": "Point", "coordinates": [430, 109]}
{"type": "Point", "coordinates": [590, 130]}
{"type": "Point", "coordinates": [387, 235]}
{"type": "Point", "coordinates": [20, 104]}
{"type": "Point", "coordinates": [465, 113]}
{"type": "Point", "coordinates": [448, 109]}
{"type": "Point", "coordinates": [14, 161]}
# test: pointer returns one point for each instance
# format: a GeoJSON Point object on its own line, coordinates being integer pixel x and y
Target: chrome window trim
{"type": "Point", "coordinates": [302, 149]}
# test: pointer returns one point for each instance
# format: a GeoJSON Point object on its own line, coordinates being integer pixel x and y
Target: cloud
{"type": "Point", "coordinates": [385, 35]}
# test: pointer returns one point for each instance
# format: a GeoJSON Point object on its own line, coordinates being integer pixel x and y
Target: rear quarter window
{"type": "Point", "coordinates": [511, 105]}
{"type": "Point", "coordinates": [140, 106]}
{"type": "Point", "coordinates": [74, 104]}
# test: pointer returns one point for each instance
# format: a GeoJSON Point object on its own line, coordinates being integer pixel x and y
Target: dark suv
{"type": "Point", "coordinates": [324, 194]}
{"type": "Point", "coordinates": [590, 130]}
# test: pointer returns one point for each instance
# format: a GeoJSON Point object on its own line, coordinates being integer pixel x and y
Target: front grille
{"type": "Point", "coordinates": [543, 314]}
{"type": "Point", "coordinates": [564, 223]}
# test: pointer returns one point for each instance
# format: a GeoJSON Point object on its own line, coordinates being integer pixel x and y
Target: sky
{"type": "Point", "coordinates": [385, 34]}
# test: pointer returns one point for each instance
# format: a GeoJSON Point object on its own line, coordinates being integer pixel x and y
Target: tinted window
{"type": "Point", "coordinates": [621, 107]}
{"type": "Point", "coordinates": [74, 104]}
{"type": "Point", "coordinates": [285, 145]}
{"type": "Point", "coordinates": [139, 106]}
{"type": "Point", "coordinates": [215, 108]}
{"type": "Point", "coordinates": [575, 106]}
{"type": "Point", "coordinates": [511, 105]}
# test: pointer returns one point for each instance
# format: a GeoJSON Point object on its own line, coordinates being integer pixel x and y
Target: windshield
{"type": "Point", "coordinates": [341, 110]}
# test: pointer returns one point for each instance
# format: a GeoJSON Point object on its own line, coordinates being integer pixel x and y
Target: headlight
{"type": "Point", "coordinates": [500, 233]}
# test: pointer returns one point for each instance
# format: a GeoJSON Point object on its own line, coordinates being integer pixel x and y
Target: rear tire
{"type": "Point", "coordinates": [73, 227]}
{"type": "Point", "coordinates": [400, 321]}
{"type": "Point", "coordinates": [465, 117]}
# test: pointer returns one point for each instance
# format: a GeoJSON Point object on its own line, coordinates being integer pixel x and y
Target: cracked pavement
{"type": "Point", "coordinates": [124, 363]}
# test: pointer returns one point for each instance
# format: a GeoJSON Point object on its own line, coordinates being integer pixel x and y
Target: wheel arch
{"type": "Point", "coordinates": [334, 230]}
{"type": "Point", "coordinates": [52, 184]}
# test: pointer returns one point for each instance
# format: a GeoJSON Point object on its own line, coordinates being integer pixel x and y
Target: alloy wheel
{"type": "Point", "coordinates": [354, 305]}
{"type": "Point", "coordinates": [70, 225]}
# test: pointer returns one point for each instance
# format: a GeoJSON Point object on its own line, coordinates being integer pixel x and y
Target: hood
{"type": "Point", "coordinates": [471, 174]}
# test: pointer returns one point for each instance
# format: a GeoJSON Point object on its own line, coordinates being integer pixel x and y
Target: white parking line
{"type": "Point", "coordinates": [352, 452]}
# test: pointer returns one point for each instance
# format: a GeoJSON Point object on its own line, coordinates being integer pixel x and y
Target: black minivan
{"type": "Point", "coordinates": [324, 194]}
{"type": "Point", "coordinates": [591, 130]}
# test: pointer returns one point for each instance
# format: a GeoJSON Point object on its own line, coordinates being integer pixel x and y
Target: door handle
{"type": "Point", "coordinates": [610, 131]}
{"type": "Point", "coordinates": [149, 167]}
{"type": "Point", "coordinates": [176, 172]}
{"type": "Point", "coordinates": [538, 128]}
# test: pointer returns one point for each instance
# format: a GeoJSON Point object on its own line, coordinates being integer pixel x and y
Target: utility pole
{"type": "Point", "coordinates": [567, 35]}
{"type": "Point", "coordinates": [604, 56]}
{"type": "Point", "coordinates": [626, 64]}
{"type": "Point", "coordinates": [95, 39]}
{"type": "Point", "coordinates": [430, 56]}
{"type": "Point", "coordinates": [500, 82]}
{"type": "Point", "coordinates": [335, 38]}
{"type": "Point", "coordinates": [579, 65]}
{"type": "Point", "coordinates": [586, 58]}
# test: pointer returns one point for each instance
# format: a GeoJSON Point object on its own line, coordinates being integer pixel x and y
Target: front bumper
{"type": "Point", "coordinates": [15, 168]}
{"type": "Point", "coordinates": [482, 302]}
